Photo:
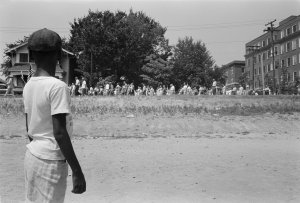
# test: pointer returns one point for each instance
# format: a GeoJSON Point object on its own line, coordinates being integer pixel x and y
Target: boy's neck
{"type": "Point", "coordinates": [41, 72]}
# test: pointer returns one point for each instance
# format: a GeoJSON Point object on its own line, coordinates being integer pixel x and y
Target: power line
{"type": "Point", "coordinates": [222, 23]}
{"type": "Point", "coordinates": [22, 29]}
{"type": "Point", "coordinates": [214, 27]}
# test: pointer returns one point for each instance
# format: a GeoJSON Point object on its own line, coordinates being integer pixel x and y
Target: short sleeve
{"type": "Point", "coordinates": [60, 100]}
{"type": "Point", "coordinates": [24, 100]}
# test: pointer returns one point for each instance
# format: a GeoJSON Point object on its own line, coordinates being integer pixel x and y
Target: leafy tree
{"type": "Point", "coordinates": [283, 83]}
{"type": "Point", "coordinates": [157, 71]}
{"type": "Point", "coordinates": [115, 43]}
{"type": "Point", "coordinates": [244, 79]}
{"type": "Point", "coordinates": [192, 63]}
{"type": "Point", "coordinates": [218, 73]}
{"type": "Point", "coordinates": [269, 81]}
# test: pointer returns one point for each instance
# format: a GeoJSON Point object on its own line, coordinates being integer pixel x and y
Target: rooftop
{"type": "Point", "coordinates": [235, 62]}
{"type": "Point", "coordinates": [25, 43]}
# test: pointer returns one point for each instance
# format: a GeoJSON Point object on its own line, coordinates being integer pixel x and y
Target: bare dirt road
{"type": "Point", "coordinates": [172, 159]}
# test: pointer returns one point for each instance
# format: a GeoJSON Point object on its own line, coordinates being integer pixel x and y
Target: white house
{"type": "Point", "coordinates": [23, 65]}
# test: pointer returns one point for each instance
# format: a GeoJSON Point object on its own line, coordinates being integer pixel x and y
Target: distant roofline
{"type": "Point", "coordinates": [25, 43]}
{"type": "Point", "coordinates": [292, 17]}
{"type": "Point", "coordinates": [15, 47]}
{"type": "Point", "coordinates": [236, 62]}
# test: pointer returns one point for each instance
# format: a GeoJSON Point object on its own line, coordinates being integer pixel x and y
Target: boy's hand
{"type": "Point", "coordinates": [79, 184]}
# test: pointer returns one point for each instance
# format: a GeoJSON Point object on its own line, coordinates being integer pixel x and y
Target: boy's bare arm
{"type": "Point", "coordinates": [30, 139]}
{"type": "Point", "coordinates": [63, 140]}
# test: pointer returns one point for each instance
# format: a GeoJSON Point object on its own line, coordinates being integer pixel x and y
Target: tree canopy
{"type": "Point", "coordinates": [115, 44]}
{"type": "Point", "coordinates": [192, 63]}
{"type": "Point", "coordinates": [119, 46]}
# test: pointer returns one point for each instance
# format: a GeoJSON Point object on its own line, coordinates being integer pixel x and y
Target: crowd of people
{"type": "Point", "coordinates": [80, 88]}
{"type": "Point", "coordinates": [108, 89]}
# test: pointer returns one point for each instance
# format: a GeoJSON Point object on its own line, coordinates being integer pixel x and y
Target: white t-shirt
{"type": "Point", "coordinates": [83, 85]}
{"type": "Point", "coordinates": [44, 97]}
{"type": "Point", "coordinates": [214, 84]}
{"type": "Point", "coordinates": [77, 82]}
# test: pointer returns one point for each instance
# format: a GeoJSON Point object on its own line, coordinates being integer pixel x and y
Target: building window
{"type": "Point", "coordinates": [269, 68]}
{"type": "Point", "coordinates": [259, 58]}
{"type": "Point", "coordinates": [269, 54]}
{"type": "Point", "coordinates": [282, 49]}
{"type": "Point", "coordinates": [288, 31]}
{"type": "Point", "coordinates": [268, 41]}
{"type": "Point", "coordinates": [294, 59]}
{"type": "Point", "coordinates": [294, 76]}
{"type": "Point", "coordinates": [259, 70]}
{"type": "Point", "coordinates": [264, 56]}
{"type": "Point", "coordinates": [282, 63]}
{"type": "Point", "coordinates": [288, 62]}
{"type": "Point", "coordinates": [294, 42]}
{"type": "Point", "coordinates": [288, 46]}
{"type": "Point", "coordinates": [264, 69]}
{"type": "Point", "coordinates": [276, 50]}
{"type": "Point", "coordinates": [23, 58]}
{"type": "Point", "coordinates": [255, 71]}
{"type": "Point", "coordinates": [258, 44]}
{"type": "Point", "coordinates": [294, 28]}
{"type": "Point", "coordinates": [277, 64]}
{"type": "Point", "coordinates": [282, 34]}
{"type": "Point", "coordinates": [243, 70]}
{"type": "Point", "coordinates": [254, 59]}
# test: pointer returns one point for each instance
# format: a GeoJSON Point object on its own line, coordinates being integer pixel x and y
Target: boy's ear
{"type": "Point", "coordinates": [59, 56]}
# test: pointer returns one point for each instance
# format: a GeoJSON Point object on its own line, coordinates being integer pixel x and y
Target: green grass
{"type": "Point", "coordinates": [170, 105]}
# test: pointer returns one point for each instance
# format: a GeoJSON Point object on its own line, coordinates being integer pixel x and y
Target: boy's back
{"type": "Point", "coordinates": [45, 96]}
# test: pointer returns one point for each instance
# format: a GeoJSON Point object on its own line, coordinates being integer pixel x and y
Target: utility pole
{"type": "Point", "coordinates": [253, 50]}
{"type": "Point", "coordinates": [91, 77]}
{"type": "Point", "coordinates": [271, 29]}
{"type": "Point", "coordinates": [262, 74]}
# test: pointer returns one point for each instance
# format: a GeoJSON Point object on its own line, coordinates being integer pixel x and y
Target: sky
{"type": "Point", "coordinates": [225, 26]}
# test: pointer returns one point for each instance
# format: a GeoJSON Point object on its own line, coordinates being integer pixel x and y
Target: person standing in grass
{"type": "Point", "coordinates": [49, 126]}
{"type": "Point", "coordinates": [10, 86]}
{"type": "Point", "coordinates": [214, 87]}
{"type": "Point", "coordinates": [83, 87]}
{"type": "Point", "coordinates": [77, 85]}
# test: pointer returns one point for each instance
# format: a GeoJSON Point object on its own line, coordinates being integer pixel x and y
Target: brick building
{"type": "Point", "coordinates": [233, 71]}
{"type": "Point", "coordinates": [259, 54]}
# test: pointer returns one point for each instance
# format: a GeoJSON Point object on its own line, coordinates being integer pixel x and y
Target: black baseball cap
{"type": "Point", "coordinates": [44, 40]}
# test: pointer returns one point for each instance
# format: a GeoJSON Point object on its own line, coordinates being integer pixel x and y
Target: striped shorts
{"type": "Point", "coordinates": [45, 180]}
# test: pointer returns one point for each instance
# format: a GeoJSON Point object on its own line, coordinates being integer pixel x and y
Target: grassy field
{"type": "Point", "coordinates": [170, 149]}
{"type": "Point", "coordinates": [170, 105]}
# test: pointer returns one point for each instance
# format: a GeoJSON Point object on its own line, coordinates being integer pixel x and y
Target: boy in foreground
{"type": "Point", "coordinates": [49, 125]}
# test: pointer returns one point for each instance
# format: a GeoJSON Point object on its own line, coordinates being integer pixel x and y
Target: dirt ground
{"type": "Point", "coordinates": [208, 158]}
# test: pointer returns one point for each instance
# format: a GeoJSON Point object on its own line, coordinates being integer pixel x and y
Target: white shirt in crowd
{"type": "Point", "coordinates": [214, 83]}
{"type": "Point", "coordinates": [44, 97]}
{"type": "Point", "coordinates": [77, 82]}
{"type": "Point", "coordinates": [83, 85]}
